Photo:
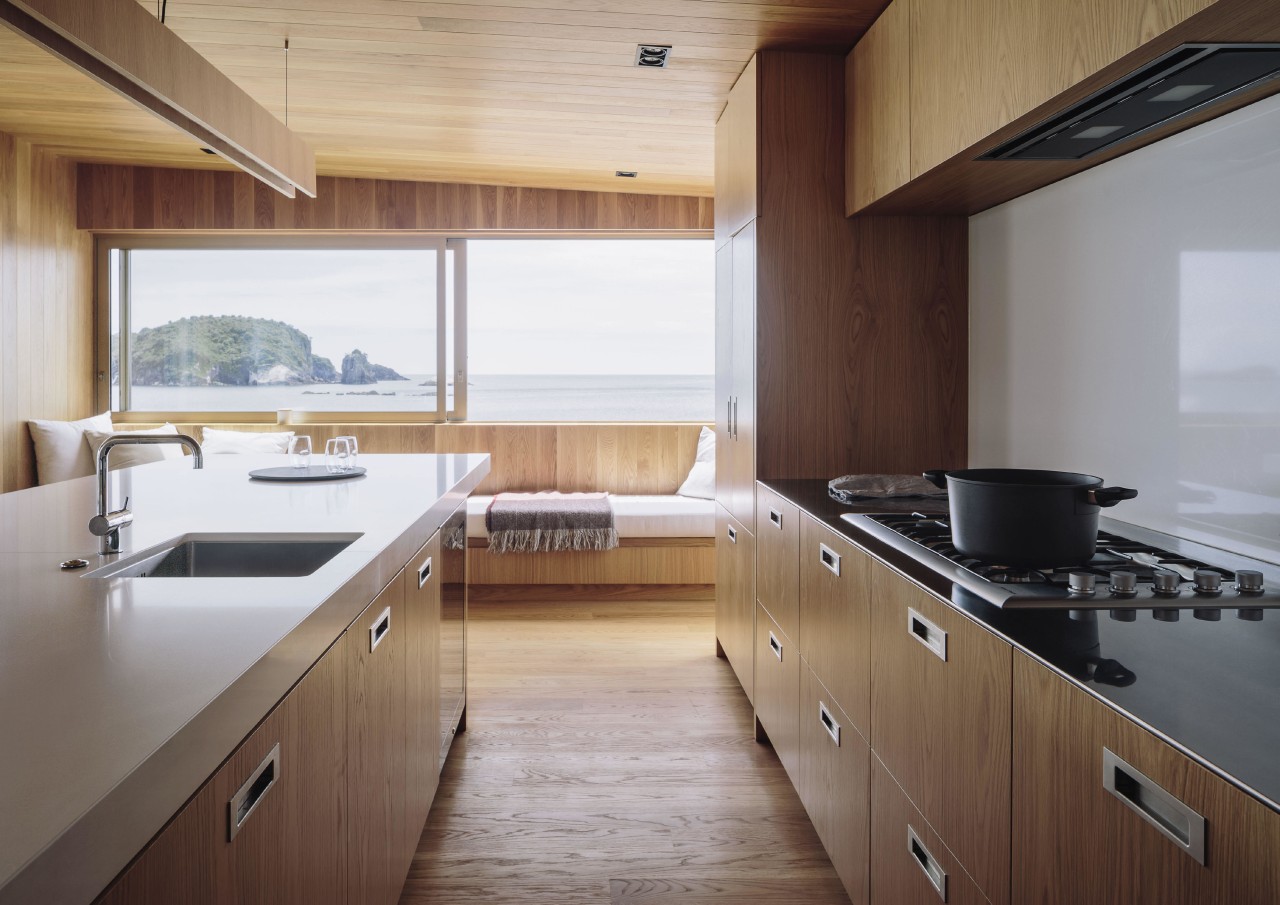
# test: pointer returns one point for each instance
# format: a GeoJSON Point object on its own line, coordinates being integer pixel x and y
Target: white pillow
{"type": "Point", "coordinates": [130, 455]}
{"type": "Point", "coordinates": [218, 442]}
{"type": "Point", "coordinates": [701, 482]}
{"type": "Point", "coordinates": [61, 453]}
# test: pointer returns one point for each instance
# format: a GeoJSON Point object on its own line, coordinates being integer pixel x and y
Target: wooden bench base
{"type": "Point", "coordinates": [637, 561]}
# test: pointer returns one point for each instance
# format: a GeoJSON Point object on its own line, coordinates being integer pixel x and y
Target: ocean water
{"type": "Point", "coordinates": [490, 397]}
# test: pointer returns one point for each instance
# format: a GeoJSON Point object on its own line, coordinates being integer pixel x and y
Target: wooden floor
{"type": "Point", "coordinates": [609, 758]}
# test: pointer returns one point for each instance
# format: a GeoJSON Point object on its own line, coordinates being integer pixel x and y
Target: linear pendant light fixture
{"type": "Point", "coordinates": [122, 46]}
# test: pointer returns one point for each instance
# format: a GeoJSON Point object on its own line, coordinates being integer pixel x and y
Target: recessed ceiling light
{"type": "Point", "coordinates": [653, 56]}
{"type": "Point", "coordinates": [627, 174]}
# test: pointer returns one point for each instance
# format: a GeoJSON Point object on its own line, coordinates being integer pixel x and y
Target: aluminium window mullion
{"type": "Point", "coordinates": [459, 411]}
{"type": "Point", "coordinates": [125, 301]}
{"type": "Point", "coordinates": [442, 349]}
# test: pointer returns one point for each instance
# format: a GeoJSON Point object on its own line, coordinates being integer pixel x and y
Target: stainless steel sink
{"type": "Point", "coordinates": [231, 556]}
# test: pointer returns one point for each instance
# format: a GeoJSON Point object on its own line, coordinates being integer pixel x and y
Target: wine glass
{"type": "Point", "coordinates": [300, 451]}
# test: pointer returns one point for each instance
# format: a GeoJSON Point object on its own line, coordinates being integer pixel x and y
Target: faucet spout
{"type": "Point", "coordinates": [106, 524]}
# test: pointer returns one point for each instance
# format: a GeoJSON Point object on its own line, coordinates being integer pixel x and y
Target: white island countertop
{"type": "Point", "coordinates": [120, 697]}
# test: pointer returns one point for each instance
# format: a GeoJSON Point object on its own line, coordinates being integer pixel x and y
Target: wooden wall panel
{"type": "Point", "coordinates": [625, 565]}
{"type": "Point", "coordinates": [46, 303]}
{"type": "Point", "coordinates": [137, 198]}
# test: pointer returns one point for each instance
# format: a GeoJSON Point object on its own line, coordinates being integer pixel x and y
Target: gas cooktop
{"type": "Point", "coordinates": [1124, 576]}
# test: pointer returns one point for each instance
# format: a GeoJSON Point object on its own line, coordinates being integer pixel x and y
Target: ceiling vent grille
{"type": "Point", "coordinates": [1187, 79]}
{"type": "Point", "coordinates": [653, 56]}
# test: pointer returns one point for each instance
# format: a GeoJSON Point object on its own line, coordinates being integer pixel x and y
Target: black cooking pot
{"type": "Point", "coordinates": [1025, 517]}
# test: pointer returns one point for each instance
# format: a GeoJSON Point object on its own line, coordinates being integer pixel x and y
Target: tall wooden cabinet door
{"type": "Point", "coordinates": [743, 462]}
{"type": "Point", "coordinates": [941, 721]}
{"type": "Point", "coordinates": [269, 825]}
{"type": "Point", "coordinates": [376, 645]}
{"type": "Point", "coordinates": [778, 559]}
{"type": "Point", "coordinates": [835, 628]}
{"type": "Point", "coordinates": [724, 376]}
{"type": "Point", "coordinates": [453, 629]}
{"type": "Point", "coordinates": [878, 109]}
{"type": "Point", "coordinates": [835, 784]}
{"type": "Point", "coordinates": [1106, 813]}
{"type": "Point", "coordinates": [911, 863]}
{"type": "Point", "coordinates": [735, 598]}
{"type": "Point", "coordinates": [422, 695]}
{"type": "Point", "coordinates": [737, 157]}
{"type": "Point", "coordinates": [778, 691]}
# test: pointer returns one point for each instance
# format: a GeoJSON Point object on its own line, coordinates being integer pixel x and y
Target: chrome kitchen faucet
{"type": "Point", "coordinates": [106, 525]}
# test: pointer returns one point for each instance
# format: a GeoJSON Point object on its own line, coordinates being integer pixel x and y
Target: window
{"type": "Point", "coordinates": [409, 328]}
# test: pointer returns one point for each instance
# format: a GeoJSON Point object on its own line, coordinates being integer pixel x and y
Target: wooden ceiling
{"type": "Point", "coordinates": [540, 93]}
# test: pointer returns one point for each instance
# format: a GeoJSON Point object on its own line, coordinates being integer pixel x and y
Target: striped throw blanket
{"type": "Point", "coordinates": [534, 522]}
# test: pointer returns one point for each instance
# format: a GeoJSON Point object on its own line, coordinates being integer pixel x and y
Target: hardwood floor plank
{"type": "Point", "coordinates": [609, 757]}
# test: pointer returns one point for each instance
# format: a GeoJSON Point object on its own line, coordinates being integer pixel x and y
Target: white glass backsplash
{"type": "Point", "coordinates": [1126, 323]}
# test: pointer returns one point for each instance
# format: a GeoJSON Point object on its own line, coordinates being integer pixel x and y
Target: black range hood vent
{"type": "Point", "coordinates": [1182, 81]}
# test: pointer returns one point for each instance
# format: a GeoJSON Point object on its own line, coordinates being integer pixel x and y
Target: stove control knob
{"type": "Point", "coordinates": [1081, 582]}
{"type": "Point", "coordinates": [1124, 615]}
{"type": "Point", "coordinates": [1124, 584]}
{"type": "Point", "coordinates": [1166, 582]}
{"type": "Point", "coordinates": [1250, 614]}
{"type": "Point", "coordinates": [1208, 615]}
{"type": "Point", "coordinates": [1166, 615]}
{"type": "Point", "coordinates": [1249, 582]}
{"type": "Point", "coordinates": [1208, 581]}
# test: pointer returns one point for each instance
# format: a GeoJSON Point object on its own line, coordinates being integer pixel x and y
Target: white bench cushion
{"type": "Point", "coordinates": [634, 516]}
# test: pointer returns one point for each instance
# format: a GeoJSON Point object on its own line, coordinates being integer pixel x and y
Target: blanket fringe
{"type": "Point", "coordinates": [555, 541]}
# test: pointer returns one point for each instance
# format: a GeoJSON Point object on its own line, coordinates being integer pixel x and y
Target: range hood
{"type": "Point", "coordinates": [1187, 79]}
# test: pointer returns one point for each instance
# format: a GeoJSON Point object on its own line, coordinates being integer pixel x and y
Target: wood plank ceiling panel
{"type": "Point", "coordinates": [539, 93]}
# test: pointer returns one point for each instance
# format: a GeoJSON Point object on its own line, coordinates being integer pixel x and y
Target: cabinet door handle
{"type": "Point", "coordinates": [829, 723]}
{"type": "Point", "coordinates": [735, 417]}
{"type": "Point", "coordinates": [1179, 823]}
{"type": "Point", "coordinates": [728, 416]}
{"type": "Point", "coordinates": [829, 558]}
{"type": "Point", "coordinates": [928, 634]}
{"type": "Point", "coordinates": [424, 572]}
{"type": "Point", "coordinates": [776, 646]}
{"type": "Point", "coordinates": [776, 517]}
{"type": "Point", "coordinates": [927, 863]}
{"type": "Point", "coordinates": [247, 798]}
{"type": "Point", "coordinates": [379, 629]}
{"type": "Point", "coordinates": [733, 534]}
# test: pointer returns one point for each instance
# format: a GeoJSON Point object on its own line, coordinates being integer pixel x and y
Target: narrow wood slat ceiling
{"type": "Point", "coordinates": [541, 93]}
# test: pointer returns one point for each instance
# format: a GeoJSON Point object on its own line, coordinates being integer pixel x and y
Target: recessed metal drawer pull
{"type": "Point", "coordinates": [829, 558]}
{"type": "Point", "coordinates": [733, 534]}
{"type": "Point", "coordinates": [776, 517]}
{"type": "Point", "coordinates": [829, 723]}
{"type": "Point", "coordinates": [424, 572]}
{"type": "Point", "coordinates": [775, 646]}
{"type": "Point", "coordinates": [927, 634]}
{"type": "Point", "coordinates": [379, 629]}
{"type": "Point", "coordinates": [926, 862]}
{"type": "Point", "coordinates": [1181, 825]}
{"type": "Point", "coordinates": [242, 804]}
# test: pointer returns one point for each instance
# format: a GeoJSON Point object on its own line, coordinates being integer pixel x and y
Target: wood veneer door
{"type": "Point", "coordinates": [878, 109]}
{"type": "Point", "coordinates": [778, 559]}
{"type": "Point", "coordinates": [777, 702]}
{"type": "Point", "coordinates": [835, 626]}
{"type": "Point", "coordinates": [737, 195]}
{"type": "Point", "coordinates": [743, 461]}
{"type": "Point", "coordinates": [724, 376]}
{"type": "Point", "coordinates": [941, 721]}
{"type": "Point", "coordinates": [1074, 841]}
{"type": "Point", "coordinates": [422, 695]}
{"type": "Point", "coordinates": [835, 784]}
{"type": "Point", "coordinates": [453, 629]}
{"type": "Point", "coordinates": [376, 646]}
{"type": "Point", "coordinates": [910, 864]}
{"type": "Point", "coordinates": [735, 597]}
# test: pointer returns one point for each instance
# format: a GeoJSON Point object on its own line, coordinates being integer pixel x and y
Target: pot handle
{"type": "Point", "coordinates": [1109, 496]}
{"type": "Point", "coordinates": [937, 477]}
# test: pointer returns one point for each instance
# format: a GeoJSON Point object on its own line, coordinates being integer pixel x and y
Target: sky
{"type": "Point", "coordinates": [535, 306]}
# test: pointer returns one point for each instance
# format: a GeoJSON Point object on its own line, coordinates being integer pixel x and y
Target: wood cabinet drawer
{"type": "Point", "coordinates": [941, 721]}
{"type": "Point", "coordinates": [835, 626]}
{"type": "Point", "coordinates": [835, 784]}
{"type": "Point", "coordinates": [735, 598]}
{"type": "Point", "coordinates": [424, 576]}
{"type": "Point", "coordinates": [913, 866]}
{"type": "Point", "coordinates": [778, 691]}
{"type": "Point", "coordinates": [1077, 841]}
{"type": "Point", "coordinates": [778, 559]}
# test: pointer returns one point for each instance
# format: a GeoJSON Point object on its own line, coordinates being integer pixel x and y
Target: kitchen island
{"type": "Point", "coordinates": [120, 697]}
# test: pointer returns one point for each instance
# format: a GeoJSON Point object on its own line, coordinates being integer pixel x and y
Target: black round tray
{"type": "Point", "coordinates": [310, 473]}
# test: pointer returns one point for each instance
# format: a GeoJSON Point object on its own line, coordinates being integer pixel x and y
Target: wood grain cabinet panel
{"type": "Point", "coordinates": [835, 784]}
{"type": "Point", "coordinates": [777, 698]}
{"type": "Point", "coordinates": [941, 721]}
{"type": "Point", "coordinates": [911, 863]}
{"type": "Point", "coordinates": [735, 598]}
{"type": "Point", "coordinates": [743, 328]}
{"type": "Point", "coordinates": [778, 559]}
{"type": "Point", "coordinates": [835, 626]}
{"type": "Point", "coordinates": [1074, 841]}
{"type": "Point", "coordinates": [422, 693]}
{"type": "Point", "coordinates": [737, 157]}
{"type": "Point", "coordinates": [288, 847]}
{"type": "Point", "coordinates": [375, 649]}
{"type": "Point", "coordinates": [878, 109]}
{"type": "Point", "coordinates": [454, 572]}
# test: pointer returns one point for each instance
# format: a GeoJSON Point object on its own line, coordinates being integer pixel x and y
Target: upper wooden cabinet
{"type": "Point", "coordinates": [878, 95]}
{"type": "Point", "coordinates": [737, 158]}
